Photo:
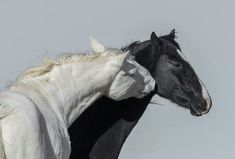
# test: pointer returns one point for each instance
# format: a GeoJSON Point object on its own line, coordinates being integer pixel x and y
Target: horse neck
{"type": "Point", "coordinates": [69, 89]}
{"type": "Point", "coordinates": [144, 54]}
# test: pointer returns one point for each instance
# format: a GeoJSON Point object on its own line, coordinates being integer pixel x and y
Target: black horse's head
{"type": "Point", "coordinates": [175, 78]}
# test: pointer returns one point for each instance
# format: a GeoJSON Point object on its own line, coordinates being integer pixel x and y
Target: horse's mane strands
{"type": "Point", "coordinates": [169, 37]}
{"type": "Point", "coordinates": [130, 45]}
{"type": "Point", "coordinates": [49, 63]}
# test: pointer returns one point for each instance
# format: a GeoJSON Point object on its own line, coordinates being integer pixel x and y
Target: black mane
{"type": "Point", "coordinates": [171, 40]}
{"type": "Point", "coordinates": [168, 37]}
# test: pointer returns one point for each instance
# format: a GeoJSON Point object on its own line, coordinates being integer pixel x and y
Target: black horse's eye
{"type": "Point", "coordinates": [174, 61]}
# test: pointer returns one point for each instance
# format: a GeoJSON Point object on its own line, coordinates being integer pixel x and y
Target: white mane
{"type": "Point", "coordinates": [50, 63]}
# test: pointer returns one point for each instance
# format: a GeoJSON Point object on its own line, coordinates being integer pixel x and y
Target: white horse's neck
{"type": "Point", "coordinates": [70, 88]}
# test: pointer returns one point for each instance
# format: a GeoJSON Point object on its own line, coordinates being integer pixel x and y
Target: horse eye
{"type": "Point", "coordinates": [173, 61]}
{"type": "Point", "coordinates": [132, 71]}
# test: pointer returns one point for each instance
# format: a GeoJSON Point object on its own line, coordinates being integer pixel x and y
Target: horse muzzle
{"type": "Point", "coordinates": [201, 109]}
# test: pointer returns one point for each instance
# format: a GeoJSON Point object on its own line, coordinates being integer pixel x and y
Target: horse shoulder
{"type": "Point", "coordinates": [24, 131]}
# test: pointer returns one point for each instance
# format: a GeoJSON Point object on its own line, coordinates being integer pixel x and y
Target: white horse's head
{"type": "Point", "coordinates": [131, 80]}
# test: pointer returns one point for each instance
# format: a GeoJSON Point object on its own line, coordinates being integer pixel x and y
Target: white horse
{"type": "Point", "coordinates": [37, 110]}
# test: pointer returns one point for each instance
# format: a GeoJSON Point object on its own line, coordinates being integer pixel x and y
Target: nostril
{"type": "Point", "coordinates": [204, 105]}
{"type": "Point", "coordinates": [204, 108]}
{"type": "Point", "coordinates": [207, 105]}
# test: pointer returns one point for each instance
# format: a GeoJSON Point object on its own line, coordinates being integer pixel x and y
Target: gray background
{"type": "Point", "coordinates": [31, 30]}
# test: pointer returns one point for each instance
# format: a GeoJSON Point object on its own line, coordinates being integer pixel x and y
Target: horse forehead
{"type": "Point", "coordinates": [174, 49]}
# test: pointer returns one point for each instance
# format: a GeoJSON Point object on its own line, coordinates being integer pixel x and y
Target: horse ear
{"type": "Point", "coordinates": [96, 46]}
{"type": "Point", "coordinates": [172, 34]}
{"type": "Point", "coordinates": [156, 41]}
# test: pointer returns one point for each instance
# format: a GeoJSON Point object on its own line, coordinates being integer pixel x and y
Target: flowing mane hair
{"type": "Point", "coordinates": [50, 63]}
{"type": "Point", "coordinates": [169, 37]}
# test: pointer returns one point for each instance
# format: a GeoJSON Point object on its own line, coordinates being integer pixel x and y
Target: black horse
{"type": "Point", "coordinates": [99, 133]}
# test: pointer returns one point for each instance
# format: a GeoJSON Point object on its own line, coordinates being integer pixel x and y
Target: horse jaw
{"type": "Point", "coordinates": [96, 46]}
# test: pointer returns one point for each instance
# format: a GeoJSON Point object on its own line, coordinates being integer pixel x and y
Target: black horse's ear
{"type": "Point", "coordinates": [156, 41]}
{"type": "Point", "coordinates": [172, 34]}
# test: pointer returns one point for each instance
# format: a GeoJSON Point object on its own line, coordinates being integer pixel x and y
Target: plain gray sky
{"type": "Point", "coordinates": [32, 29]}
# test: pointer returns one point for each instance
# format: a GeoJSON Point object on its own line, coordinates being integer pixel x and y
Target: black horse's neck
{"type": "Point", "coordinates": [102, 129]}
{"type": "Point", "coordinates": [100, 132]}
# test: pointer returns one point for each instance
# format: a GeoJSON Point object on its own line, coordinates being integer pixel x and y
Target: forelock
{"type": "Point", "coordinates": [171, 40]}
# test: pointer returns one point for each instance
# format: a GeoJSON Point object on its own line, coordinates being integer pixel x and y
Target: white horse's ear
{"type": "Point", "coordinates": [96, 46]}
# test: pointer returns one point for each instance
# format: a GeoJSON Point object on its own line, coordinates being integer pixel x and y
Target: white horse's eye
{"type": "Point", "coordinates": [147, 79]}
{"type": "Point", "coordinates": [132, 71]}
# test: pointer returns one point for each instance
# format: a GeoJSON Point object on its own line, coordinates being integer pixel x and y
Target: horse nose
{"type": "Point", "coordinates": [207, 99]}
{"type": "Point", "coordinates": [207, 105]}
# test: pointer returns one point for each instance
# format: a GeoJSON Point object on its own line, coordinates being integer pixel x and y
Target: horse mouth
{"type": "Point", "coordinates": [195, 112]}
